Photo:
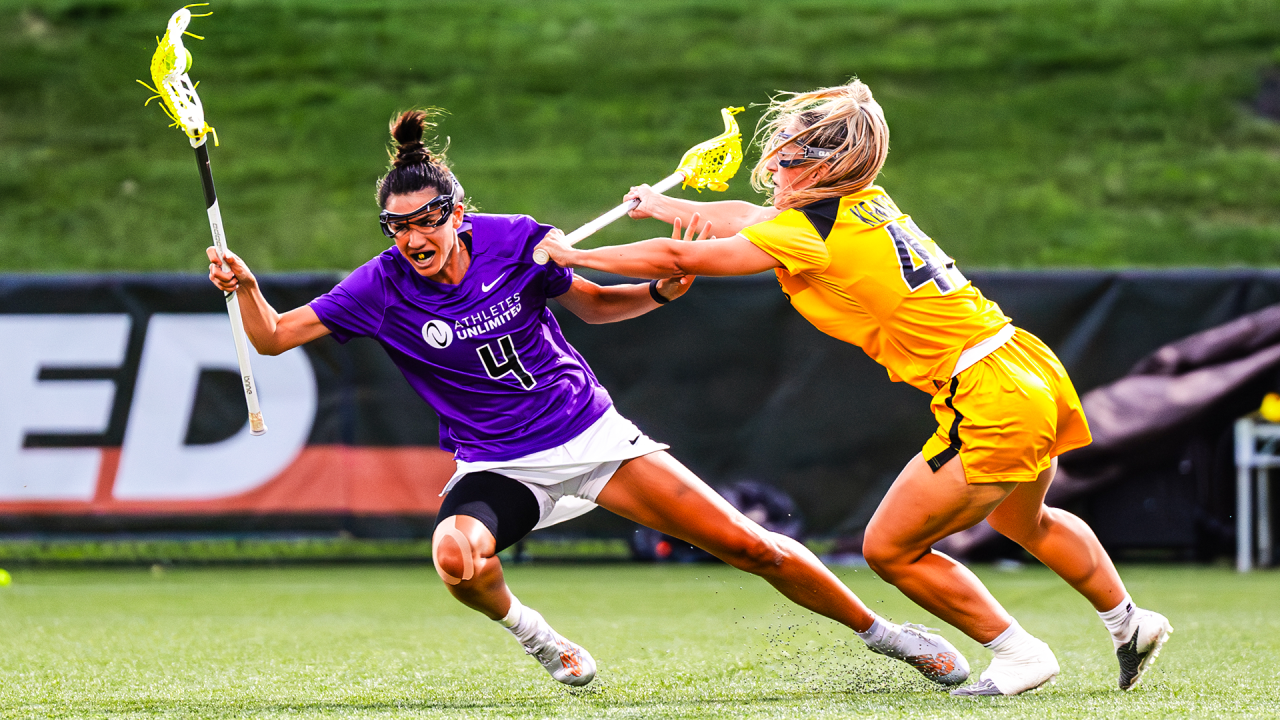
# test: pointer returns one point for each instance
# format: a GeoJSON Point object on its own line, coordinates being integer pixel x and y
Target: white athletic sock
{"type": "Point", "coordinates": [1012, 641]}
{"type": "Point", "coordinates": [525, 623]}
{"type": "Point", "coordinates": [1117, 618]}
{"type": "Point", "coordinates": [873, 635]}
{"type": "Point", "coordinates": [1021, 662]}
{"type": "Point", "coordinates": [513, 614]}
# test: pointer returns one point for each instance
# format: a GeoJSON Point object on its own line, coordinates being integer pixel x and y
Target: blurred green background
{"type": "Point", "coordinates": [1025, 133]}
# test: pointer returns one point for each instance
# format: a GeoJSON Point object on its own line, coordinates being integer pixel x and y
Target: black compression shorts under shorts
{"type": "Point", "coordinates": [507, 508]}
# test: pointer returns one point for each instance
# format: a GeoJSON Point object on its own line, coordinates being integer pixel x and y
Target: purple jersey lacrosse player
{"type": "Point", "coordinates": [486, 354]}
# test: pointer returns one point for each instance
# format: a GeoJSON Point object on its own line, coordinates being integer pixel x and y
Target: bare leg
{"type": "Point", "coordinates": [660, 493]}
{"type": "Point", "coordinates": [1060, 540]}
{"type": "Point", "coordinates": [486, 590]}
{"type": "Point", "coordinates": [921, 508]}
{"type": "Point", "coordinates": [473, 574]}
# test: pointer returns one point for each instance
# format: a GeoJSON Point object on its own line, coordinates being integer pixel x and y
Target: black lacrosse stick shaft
{"type": "Point", "coordinates": [206, 175]}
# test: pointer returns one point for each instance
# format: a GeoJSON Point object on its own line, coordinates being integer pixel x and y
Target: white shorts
{"type": "Point", "coordinates": [566, 480]}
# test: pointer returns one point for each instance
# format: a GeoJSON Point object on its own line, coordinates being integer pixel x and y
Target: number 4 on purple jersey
{"type": "Point", "coordinates": [510, 364]}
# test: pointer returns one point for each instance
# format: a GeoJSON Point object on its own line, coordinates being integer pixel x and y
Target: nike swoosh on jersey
{"type": "Point", "coordinates": [486, 287]}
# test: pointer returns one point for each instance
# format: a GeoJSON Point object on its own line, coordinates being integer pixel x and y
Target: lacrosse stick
{"type": "Point", "coordinates": [706, 165]}
{"type": "Point", "coordinates": [180, 102]}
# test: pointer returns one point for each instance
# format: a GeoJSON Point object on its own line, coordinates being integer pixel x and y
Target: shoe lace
{"type": "Point", "coordinates": [918, 629]}
{"type": "Point", "coordinates": [537, 651]}
{"type": "Point", "coordinates": [543, 648]}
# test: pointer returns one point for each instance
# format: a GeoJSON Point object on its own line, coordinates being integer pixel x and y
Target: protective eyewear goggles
{"type": "Point", "coordinates": [809, 153]}
{"type": "Point", "coordinates": [434, 213]}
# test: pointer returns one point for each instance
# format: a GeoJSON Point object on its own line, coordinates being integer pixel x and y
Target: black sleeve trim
{"type": "Point", "coordinates": [822, 215]}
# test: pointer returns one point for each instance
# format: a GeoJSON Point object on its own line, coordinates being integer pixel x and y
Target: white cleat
{"type": "Point", "coordinates": [925, 651]}
{"type": "Point", "coordinates": [1014, 674]}
{"type": "Point", "coordinates": [567, 661]}
{"type": "Point", "coordinates": [1147, 632]}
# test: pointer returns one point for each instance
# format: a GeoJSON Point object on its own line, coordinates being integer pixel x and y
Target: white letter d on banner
{"type": "Point", "coordinates": [155, 464]}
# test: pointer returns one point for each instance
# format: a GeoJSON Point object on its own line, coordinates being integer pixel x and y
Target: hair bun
{"type": "Point", "coordinates": [408, 129]}
{"type": "Point", "coordinates": [417, 162]}
{"type": "Point", "coordinates": [414, 153]}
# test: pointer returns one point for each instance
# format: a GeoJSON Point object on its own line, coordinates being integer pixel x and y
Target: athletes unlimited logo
{"type": "Point", "coordinates": [438, 334]}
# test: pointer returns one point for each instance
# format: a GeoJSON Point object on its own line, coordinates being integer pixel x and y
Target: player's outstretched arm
{"type": "Point", "coordinates": [270, 332]}
{"type": "Point", "coordinates": [664, 258]}
{"type": "Point", "coordinates": [597, 304]}
{"type": "Point", "coordinates": [726, 217]}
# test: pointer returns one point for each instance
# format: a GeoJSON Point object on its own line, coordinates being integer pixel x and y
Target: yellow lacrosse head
{"type": "Point", "coordinates": [177, 94]}
{"type": "Point", "coordinates": [711, 164]}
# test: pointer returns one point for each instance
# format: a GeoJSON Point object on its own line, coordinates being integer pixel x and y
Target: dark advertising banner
{"type": "Point", "coordinates": [120, 405]}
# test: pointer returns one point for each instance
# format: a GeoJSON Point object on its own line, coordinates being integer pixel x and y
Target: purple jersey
{"type": "Point", "coordinates": [486, 354]}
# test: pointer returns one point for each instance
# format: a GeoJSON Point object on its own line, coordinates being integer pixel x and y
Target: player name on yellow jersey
{"type": "Point", "coordinates": [861, 270]}
{"type": "Point", "coordinates": [875, 210]}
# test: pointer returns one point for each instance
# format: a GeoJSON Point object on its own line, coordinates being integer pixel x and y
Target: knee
{"type": "Point", "coordinates": [456, 558]}
{"type": "Point", "coordinates": [878, 554]}
{"type": "Point", "coordinates": [755, 552]}
{"type": "Point", "coordinates": [883, 555]}
{"type": "Point", "coordinates": [453, 566]}
{"type": "Point", "coordinates": [1023, 530]}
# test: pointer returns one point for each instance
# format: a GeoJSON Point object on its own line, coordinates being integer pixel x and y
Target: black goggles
{"type": "Point", "coordinates": [809, 154]}
{"type": "Point", "coordinates": [434, 213]}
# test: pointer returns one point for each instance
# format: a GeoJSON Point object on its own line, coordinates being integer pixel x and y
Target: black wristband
{"type": "Point", "coordinates": [657, 296]}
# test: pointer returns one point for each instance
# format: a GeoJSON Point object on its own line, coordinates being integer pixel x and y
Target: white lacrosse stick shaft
{"type": "Point", "coordinates": [541, 257]}
{"type": "Point", "coordinates": [257, 426]}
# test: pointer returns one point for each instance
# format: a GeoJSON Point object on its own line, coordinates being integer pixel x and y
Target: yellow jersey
{"type": "Point", "coordinates": [863, 272]}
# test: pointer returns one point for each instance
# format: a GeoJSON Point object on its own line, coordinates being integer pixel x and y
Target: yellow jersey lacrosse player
{"type": "Point", "coordinates": [858, 268]}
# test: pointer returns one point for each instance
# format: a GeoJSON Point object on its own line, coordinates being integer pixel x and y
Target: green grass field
{"type": "Point", "coordinates": [1026, 133]}
{"type": "Point", "coordinates": [698, 641]}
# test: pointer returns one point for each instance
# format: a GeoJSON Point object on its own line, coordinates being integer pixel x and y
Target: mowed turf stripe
{"type": "Point", "coordinates": [690, 641]}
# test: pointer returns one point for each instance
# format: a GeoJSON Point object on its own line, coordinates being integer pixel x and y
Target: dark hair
{"type": "Point", "coordinates": [413, 165]}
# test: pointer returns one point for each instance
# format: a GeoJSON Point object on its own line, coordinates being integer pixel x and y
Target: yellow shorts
{"type": "Point", "coordinates": [1008, 415]}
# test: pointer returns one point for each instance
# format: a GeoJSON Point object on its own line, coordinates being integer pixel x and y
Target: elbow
{"type": "Point", "coordinates": [688, 267]}
{"type": "Point", "coordinates": [679, 261]}
{"type": "Point", "coordinates": [265, 347]}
